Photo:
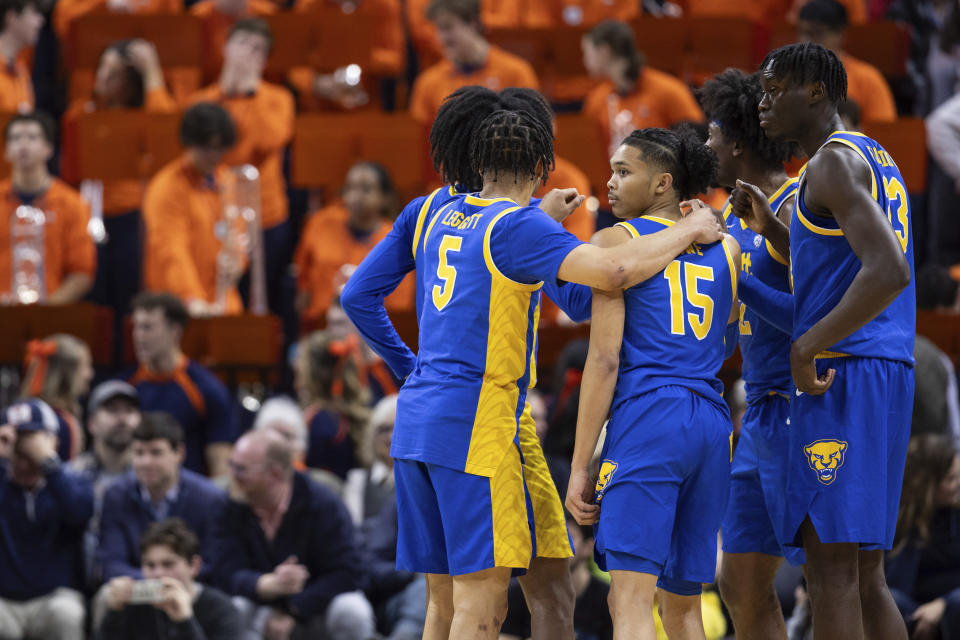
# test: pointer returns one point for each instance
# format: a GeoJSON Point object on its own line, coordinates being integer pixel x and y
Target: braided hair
{"type": "Point", "coordinates": [809, 62]}
{"type": "Point", "coordinates": [454, 129]}
{"type": "Point", "coordinates": [513, 141]}
{"type": "Point", "coordinates": [681, 153]}
{"type": "Point", "coordinates": [730, 99]}
{"type": "Point", "coordinates": [529, 100]}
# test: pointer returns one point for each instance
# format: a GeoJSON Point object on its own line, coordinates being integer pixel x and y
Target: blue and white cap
{"type": "Point", "coordinates": [31, 415]}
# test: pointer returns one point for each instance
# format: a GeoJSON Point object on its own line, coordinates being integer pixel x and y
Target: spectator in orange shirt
{"type": "Point", "coordinates": [65, 12]}
{"type": "Point", "coordinates": [825, 22]}
{"type": "Point", "coordinates": [263, 114]}
{"type": "Point", "coordinates": [128, 77]}
{"type": "Point", "coordinates": [69, 258]}
{"type": "Point", "coordinates": [182, 215]}
{"type": "Point", "coordinates": [632, 95]}
{"type": "Point", "coordinates": [342, 234]}
{"type": "Point", "coordinates": [468, 60]}
{"type": "Point", "coordinates": [22, 22]}
{"type": "Point", "coordinates": [218, 18]}
{"type": "Point", "coordinates": [384, 22]}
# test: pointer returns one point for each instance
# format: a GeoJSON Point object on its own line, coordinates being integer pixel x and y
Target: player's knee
{"type": "Point", "coordinates": [627, 596]}
{"type": "Point", "coordinates": [440, 597]}
{"type": "Point", "coordinates": [826, 581]}
{"type": "Point", "coordinates": [550, 588]}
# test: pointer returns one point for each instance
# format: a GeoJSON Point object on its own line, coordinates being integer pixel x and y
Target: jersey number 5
{"type": "Point", "coordinates": [701, 301]}
{"type": "Point", "coordinates": [446, 273]}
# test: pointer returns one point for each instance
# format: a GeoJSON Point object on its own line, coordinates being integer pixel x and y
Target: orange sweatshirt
{"type": "Point", "coordinates": [68, 247]}
{"type": "Point", "coordinates": [182, 212]}
{"type": "Point", "coordinates": [16, 87]}
{"type": "Point", "coordinates": [869, 89]}
{"type": "Point", "coordinates": [264, 124]}
{"type": "Point", "coordinates": [119, 196]}
{"type": "Point", "coordinates": [500, 71]}
{"type": "Point", "coordinates": [327, 244]}
{"type": "Point", "coordinates": [658, 100]}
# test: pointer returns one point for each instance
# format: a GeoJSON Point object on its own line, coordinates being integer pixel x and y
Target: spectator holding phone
{"type": "Point", "coordinates": [168, 604]}
{"type": "Point", "coordinates": [43, 512]}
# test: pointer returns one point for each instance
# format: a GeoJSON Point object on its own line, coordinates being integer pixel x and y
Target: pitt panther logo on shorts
{"type": "Point", "coordinates": [826, 457]}
{"type": "Point", "coordinates": [607, 467]}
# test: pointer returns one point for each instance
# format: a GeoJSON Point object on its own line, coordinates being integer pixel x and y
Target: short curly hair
{"type": "Point", "coordinates": [730, 99]}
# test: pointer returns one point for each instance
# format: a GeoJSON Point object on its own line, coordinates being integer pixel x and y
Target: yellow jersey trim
{"type": "Point", "coordinates": [831, 354]}
{"type": "Point", "coordinates": [488, 255]}
{"type": "Point", "coordinates": [436, 217]}
{"type": "Point", "coordinates": [873, 175]}
{"type": "Point", "coordinates": [733, 268]}
{"type": "Point", "coordinates": [851, 133]}
{"type": "Point", "coordinates": [629, 227]}
{"type": "Point", "coordinates": [823, 231]}
{"type": "Point", "coordinates": [669, 223]}
{"type": "Point", "coordinates": [783, 187]}
{"type": "Point", "coordinates": [421, 218]}
{"type": "Point", "coordinates": [775, 254]}
{"type": "Point", "coordinates": [482, 202]}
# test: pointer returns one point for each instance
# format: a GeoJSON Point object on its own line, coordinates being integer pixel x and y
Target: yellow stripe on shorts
{"type": "Point", "coordinates": [512, 544]}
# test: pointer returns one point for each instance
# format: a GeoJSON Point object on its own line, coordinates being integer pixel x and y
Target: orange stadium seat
{"type": "Point", "coordinates": [321, 40]}
{"type": "Point", "coordinates": [178, 38]}
{"type": "Point", "coordinates": [118, 144]}
{"type": "Point", "coordinates": [325, 146]}
{"type": "Point", "coordinates": [663, 41]}
{"type": "Point", "coordinates": [5, 166]}
{"type": "Point", "coordinates": [906, 142]}
{"type": "Point", "coordinates": [716, 43]}
{"type": "Point", "coordinates": [92, 324]}
{"type": "Point", "coordinates": [884, 44]}
{"type": "Point", "coordinates": [580, 139]}
{"type": "Point", "coordinates": [943, 329]}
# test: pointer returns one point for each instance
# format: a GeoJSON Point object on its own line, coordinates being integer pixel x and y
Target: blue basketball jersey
{"type": "Point", "coordinates": [676, 320]}
{"type": "Point", "coordinates": [480, 266]}
{"type": "Point", "coordinates": [765, 348]}
{"type": "Point", "coordinates": [824, 265]}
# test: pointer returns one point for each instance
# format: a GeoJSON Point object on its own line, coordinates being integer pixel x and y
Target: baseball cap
{"type": "Point", "coordinates": [31, 415]}
{"type": "Point", "coordinates": [107, 391]}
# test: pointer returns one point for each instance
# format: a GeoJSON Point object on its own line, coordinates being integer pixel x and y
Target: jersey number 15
{"type": "Point", "coordinates": [692, 274]}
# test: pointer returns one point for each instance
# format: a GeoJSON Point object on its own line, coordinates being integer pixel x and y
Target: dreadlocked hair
{"type": "Point", "coordinates": [529, 100]}
{"type": "Point", "coordinates": [681, 153]}
{"type": "Point", "coordinates": [453, 130]}
{"type": "Point", "coordinates": [730, 99]}
{"type": "Point", "coordinates": [809, 62]}
{"type": "Point", "coordinates": [513, 141]}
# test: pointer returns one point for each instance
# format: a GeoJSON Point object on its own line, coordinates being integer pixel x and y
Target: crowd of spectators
{"type": "Point", "coordinates": [153, 505]}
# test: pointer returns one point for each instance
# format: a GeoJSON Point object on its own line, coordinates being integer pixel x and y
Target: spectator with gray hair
{"type": "Point", "coordinates": [43, 512]}
{"type": "Point", "coordinates": [285, 544]}
{"type": "Point", "coordinates": [369, 488]}
{"type": "Point", "coordinates": [284, 417]}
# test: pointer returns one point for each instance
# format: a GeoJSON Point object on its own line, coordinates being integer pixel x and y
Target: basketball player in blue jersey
{"type": "Point", "coordinates": [462, 502]}
{"type": "Point", "coordinates": [655, 351]}
{"type": "Point", "coordinates": [851, 257]}
{"type": "Point", "coordinates": [751, 552]}
{"type": "Point", "coordinates": [547, 585]}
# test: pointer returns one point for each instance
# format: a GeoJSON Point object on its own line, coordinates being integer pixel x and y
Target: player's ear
{"type": "Point", "coordinates": [737, 150]}
{"type": "Point", "coordinates": [663, 183]}
{"type": "Point", "coordinates": [817, 92]}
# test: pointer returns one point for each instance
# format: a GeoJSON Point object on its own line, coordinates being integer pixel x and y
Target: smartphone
{"type": "Point", "coordinates": [146, 592]}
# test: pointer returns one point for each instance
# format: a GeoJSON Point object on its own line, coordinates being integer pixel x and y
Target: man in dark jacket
{"type": "Point", "coordinates": [43, 513]}
{"type": "Point", "coordinates": [287, 543]}
{"type": "Point", "coordinates": [158, 488]}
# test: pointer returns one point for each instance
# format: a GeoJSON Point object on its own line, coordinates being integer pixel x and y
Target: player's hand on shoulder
{"type": "Point", "coordinates": [689, 206]}
{"type": "Point", "coordinates": [579, 500]}
{"type": "Point", "coordinates": [707, 229]}
{"type": "Point", "coordinates": [750, 204]}
{"type": "Point", "coordinates": [560, 203]}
